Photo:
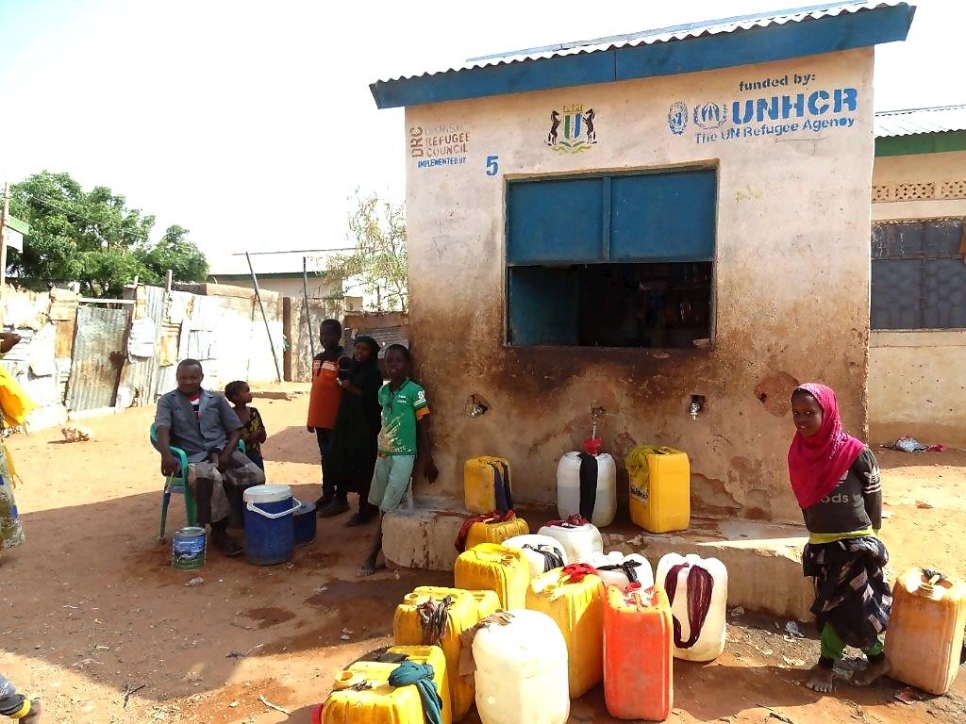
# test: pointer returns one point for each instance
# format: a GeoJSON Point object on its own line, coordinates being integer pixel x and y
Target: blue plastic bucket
{"type": "Point", "coordinates": [269, 524]}
{"type": "Point", "coordinates": [188, 548]}
{"type": "Point", "coordinates": [305, 520]}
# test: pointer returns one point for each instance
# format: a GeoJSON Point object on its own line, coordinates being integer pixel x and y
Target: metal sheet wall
{"type": "Point", "coordinates": [98, 356]}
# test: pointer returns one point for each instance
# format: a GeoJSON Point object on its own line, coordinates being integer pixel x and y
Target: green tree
{"type": "Point", "coordinates": [377, 230]}
{"type": "Point", "coordinates": [175, 252]}
{"type": "Point", "coordinates": [92, 238]}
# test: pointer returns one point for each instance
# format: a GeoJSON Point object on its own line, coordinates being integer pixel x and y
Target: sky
{"type": "Point", "coordinates": [252, 124]}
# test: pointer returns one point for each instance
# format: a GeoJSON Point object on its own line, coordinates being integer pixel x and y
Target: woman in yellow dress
{"type": "Point", "coordinates": [14, 406]}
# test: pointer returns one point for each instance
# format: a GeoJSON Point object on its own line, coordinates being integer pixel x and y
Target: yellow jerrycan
{"type": "Point", "coordinates": [925, 635]}
{"type": "Point", "coordinates": [660, 488]}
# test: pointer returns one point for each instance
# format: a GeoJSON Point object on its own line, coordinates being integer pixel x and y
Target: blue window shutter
{"type": "Point", "coordinates": [663, 216]}
{"type": "Point", "coordinates": [555, 221]}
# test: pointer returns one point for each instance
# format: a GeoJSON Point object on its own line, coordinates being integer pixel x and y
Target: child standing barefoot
{"type": "Point", "coordinates": [404, 434]}
{"type": "Point", "coordinates": [253, 432]}
{"type": "Point", "coordinates": [835, 478]}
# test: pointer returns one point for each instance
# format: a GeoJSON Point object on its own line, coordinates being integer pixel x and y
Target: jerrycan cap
{"type": "Point", "coordinates": [637, 595]}
{"type": "Point", "coordinates": [550, 589]}
{"type": "Point", "coordinates": [592, 445]}
{"type": "Point", "coordinates": [350, 680]}
{"type": "Point", "coordinates": [926, 583]}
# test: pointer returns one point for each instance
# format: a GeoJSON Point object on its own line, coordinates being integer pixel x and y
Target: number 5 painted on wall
{"type": "Point", "coordinates": [492, 165]}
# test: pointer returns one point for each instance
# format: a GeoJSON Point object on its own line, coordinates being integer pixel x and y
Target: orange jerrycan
{"type": "Point", "coordinates": [925, 636]}
{"type": "Point", "coordinates": [486, 484]}
{"type": "Point", "coordinates": [362, 694]}
{"type": "Point", "coordinates": [638, 658]}
{"type": "Point", "coordinates": [491, 567]}
{"type": "Point", "coordinates": [573, 597]}
{"type": "Point", "coordinates": [660, 488]}
{"type": "Point", "coordinates": [431, 620]}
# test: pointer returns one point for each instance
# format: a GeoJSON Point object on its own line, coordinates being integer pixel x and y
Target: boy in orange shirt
{"type": "Point", "coordinates": [324, 402]}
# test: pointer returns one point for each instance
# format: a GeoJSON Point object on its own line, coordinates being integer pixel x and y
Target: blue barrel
{"type": "Point", "coordinates": [305, 520]}
{"type": "Point", "coordinates": [188, 548]}
{"type": "Point", "coordinates": [269, 524]}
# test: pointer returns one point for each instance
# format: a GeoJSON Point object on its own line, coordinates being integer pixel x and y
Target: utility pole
{"type": "Point", "coordinates": [268, 330]}
{"type": "Point", "coordinates": [308, 309]}
{"type": "Point", "coordinates": [3, 236]}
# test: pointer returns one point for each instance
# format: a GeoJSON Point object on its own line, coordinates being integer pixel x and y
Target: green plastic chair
{"type": "Point", "coordinates": [178, 483]}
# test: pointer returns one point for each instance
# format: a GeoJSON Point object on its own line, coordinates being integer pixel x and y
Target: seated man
{"type": "Point", "coordinates": [203, 424]}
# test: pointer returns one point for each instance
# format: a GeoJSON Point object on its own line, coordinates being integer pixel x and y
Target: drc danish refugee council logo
{"type": "Point", "coordinates": [572, 130]}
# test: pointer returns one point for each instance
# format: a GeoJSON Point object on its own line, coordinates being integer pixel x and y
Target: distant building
{"type": "Point", "coordinates": [916, 380]}
{"type": "Point", "coordinates": [280, 272]}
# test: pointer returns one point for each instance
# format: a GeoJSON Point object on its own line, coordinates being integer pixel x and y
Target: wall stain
{"type": "Point", "coordinates": [774, 393]}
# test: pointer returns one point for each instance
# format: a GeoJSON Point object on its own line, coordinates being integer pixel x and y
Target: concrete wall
{"type": "Point", "coordinates": [920, 168]}
{"type": "Point", "coordinates": [791, 282]}
{"type": "Point", "coordinates": [917, 380]}
{"type": "Point", "coordinates": [917, 386]}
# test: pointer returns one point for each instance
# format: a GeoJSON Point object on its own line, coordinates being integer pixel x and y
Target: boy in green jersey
{"type": "Point", "coordinates": [404, 435]}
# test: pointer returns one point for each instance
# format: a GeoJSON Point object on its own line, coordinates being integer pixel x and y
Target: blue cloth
{"type": "Point", "coordinates": [421, 676]}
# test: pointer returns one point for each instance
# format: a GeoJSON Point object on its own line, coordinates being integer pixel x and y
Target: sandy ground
{"type": "Point", "coordinates": [97, 622]}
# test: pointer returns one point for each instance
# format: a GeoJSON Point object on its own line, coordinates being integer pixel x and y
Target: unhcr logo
{"type": "Point", "coordinates": [778, 115]}
{"type": "Point", "coordinates": [710, 115]}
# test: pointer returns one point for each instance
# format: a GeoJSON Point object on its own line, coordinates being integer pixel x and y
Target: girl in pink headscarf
{"type": "Point", "coordinates": [835, 478]}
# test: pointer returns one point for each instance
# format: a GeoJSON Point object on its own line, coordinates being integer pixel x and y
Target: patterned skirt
{"type": "Point", "coordinates": [851, 593]}
{"type": "Point", "coordinates": [11, 531]}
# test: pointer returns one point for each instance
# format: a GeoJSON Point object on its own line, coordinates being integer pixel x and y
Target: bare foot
{"type": "Point", "coordinates": [36, 709]}
{"type": "Point", "coordinates": [870, 673]}
{"type": "Point", "coordinates": [820, 680]}
{"type": "Point", "coordinates": [368, 568]}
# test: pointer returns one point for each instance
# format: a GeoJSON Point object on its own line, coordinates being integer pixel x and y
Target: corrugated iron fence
{"type": "Point", "coordinates": [80, 355]}
{"type": "Point", "coordinates": [97, 357]}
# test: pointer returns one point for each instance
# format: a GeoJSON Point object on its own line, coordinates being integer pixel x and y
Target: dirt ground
{"type": "Point", "coordinates": [97, 622]}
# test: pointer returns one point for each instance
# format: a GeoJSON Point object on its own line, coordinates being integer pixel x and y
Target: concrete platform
{"type": "Point", "coordinates": [763, 559]}
{"type": "Point", "coordinates": [424, 535]}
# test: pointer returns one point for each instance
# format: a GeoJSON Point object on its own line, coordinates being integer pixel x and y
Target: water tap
{"type": "Point", "coordinates": [697, 404]}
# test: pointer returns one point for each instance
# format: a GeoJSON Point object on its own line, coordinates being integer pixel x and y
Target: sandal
{"type": "Point", "coordinates": [359, 518]}
{"type": "Point", "coordinates": [226, 545]}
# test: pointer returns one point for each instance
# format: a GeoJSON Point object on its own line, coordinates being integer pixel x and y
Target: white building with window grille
{"type": "Point", "coordinates": [917, 379]}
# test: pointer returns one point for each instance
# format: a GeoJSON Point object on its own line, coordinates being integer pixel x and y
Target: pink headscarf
{"type": "Point", "coordinates": [816, 464]}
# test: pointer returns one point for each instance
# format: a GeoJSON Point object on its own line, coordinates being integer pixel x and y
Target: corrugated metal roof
{"type": "Point", "coordinates": [914, 121]}
{"type": "Point", "coordinates": [286, 262]}
{"type": "Point", "coordinates": [669, 34]}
